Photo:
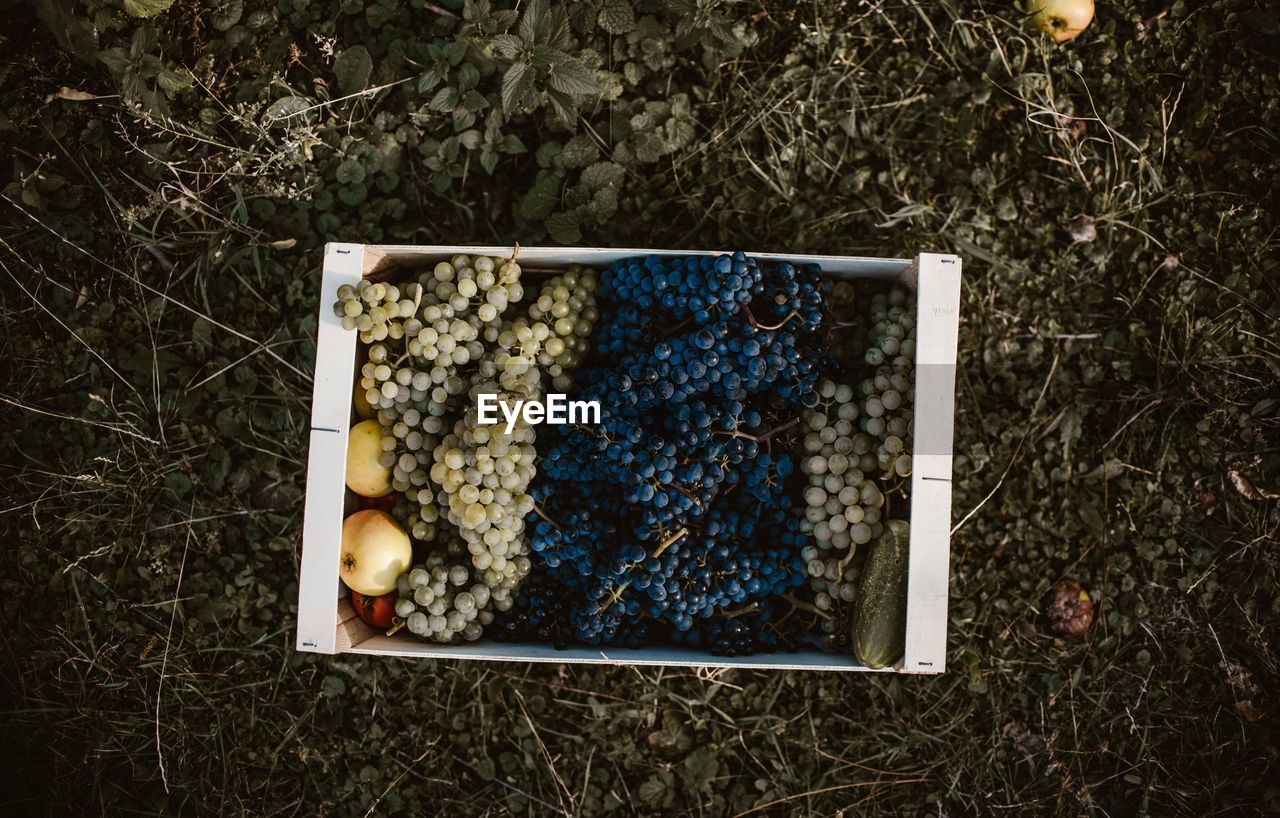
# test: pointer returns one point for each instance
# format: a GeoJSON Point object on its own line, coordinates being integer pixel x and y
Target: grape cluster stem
{"type": "Point", "coordinates": [801, 605]}
{"type": "Point", "coordinates": [668, 542]}
{"type": "Point", "coordinates": [767, 328]}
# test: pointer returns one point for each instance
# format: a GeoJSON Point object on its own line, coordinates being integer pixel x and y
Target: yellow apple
{"type": "Point", "coordinates": [361, 401]}
{"type": "Point", "coordinates": [1061, 19]}
{"type": "Point", "coordinates": [375, 551]}
{"type": "Point", "coordinates": [366, 475]}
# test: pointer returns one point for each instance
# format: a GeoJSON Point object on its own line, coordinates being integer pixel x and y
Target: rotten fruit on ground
{"type": "Point", "coordinates": [366, 475]}
{"type": "Point", "coordinates": [375, 550]}
{"type": "Point", "coordinates": [1061, 19]}
{"type": "Point", "coordinates": [1068, 608]}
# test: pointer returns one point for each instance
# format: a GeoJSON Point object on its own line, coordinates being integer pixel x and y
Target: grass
{"type": "Point", "coordinates": [1113, 200]}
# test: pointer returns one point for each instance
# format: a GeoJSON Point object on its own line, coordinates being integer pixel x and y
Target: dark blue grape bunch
{"type": "Point", "coordinates": [677, 508]}
{"type": "Point", "coordinates": [565, 542]}
{"type": "Point", "coordinates": [601, 613]}
{"type": "Point", "coordinates": [625, 328]}
{"type": "Point", "coordinates": [698, 288]}
{"type": "Point", "coordinates": [540, 613]}
{"type": "Point", "coordinates": [760, 627]}
{"type": "Point", "coordinates": [791, 293]}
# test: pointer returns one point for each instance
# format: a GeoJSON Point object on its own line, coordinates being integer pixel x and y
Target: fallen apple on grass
{"type": "Point", "coordinates": [375, 551]}
{"type": "Point", "coordinates": [1061, 19]}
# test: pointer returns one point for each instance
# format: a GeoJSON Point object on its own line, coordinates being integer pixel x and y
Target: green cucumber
{"type": "Point", "coordinates": [880, 613]}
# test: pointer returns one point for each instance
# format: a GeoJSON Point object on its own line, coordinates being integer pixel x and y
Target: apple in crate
{"type": "Point", "coordinates": [375, 551]}
{"type": "Point", "coordinates": [366, 475]}
{"type": "Point", "coordinates": [378, 611]}
{"type": "Point", "coordinates": [1061, 19]}
{"type": "Point", "coordinates": [361, 401]}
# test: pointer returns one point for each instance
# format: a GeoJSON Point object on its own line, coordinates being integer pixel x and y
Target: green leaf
{"type": "Point", "coordinates": [572, 77]}
{"type": "Point", "coordinates": [286, 112]}
{"type": "Point", "coordinates": [145, 41]}
{"type": "Point", "coordinates": [172, 81]}
{"type": "Point", "coordinates": [565, 106]}
{"type": "Point", "coordinates": [545, 56]}
{"type": "Point", "coordinates": [116, 60]}
{"type": "Point", "coordinates": [680, 132]}
{"type": "Point", "coordinates": [516, 84]}
{"type": "Point", "coordinates": [468, 76]}
{"type": "Point", "coordinates": [334, 686]}
{"type": "Point", "coordinates": [227, 15]}
{"type": "Point", "coordinates": [563, 228]}
{"type": "Point", "coordinates": [508, 46]}
{"type": "Point", "coordinates": [579, 151]}
{"type": "Point", "coordinates": [700, 768]}
{"type": "Point", "coordinates": [488, 161]}
{"type": "Point", "coordinates": [616, 16]}
{"type": "Point", "coordinates": [533, 22]}
{"type": "Point", "coordinates": [474, 101]}
{"type": "Point", "coordinates": [555, 32]}
{"type": "Point", "coordinates": [349, 172]}
{"type": "Point", "coordinates": [470, 139]}
{"type": "Point", "coordinates": [463, 119]}
{"type": "Point", "coordinates": [352, 69]}
{"type": "Point", "coordinates": [146, 8]}
{"type": "Point", "coordinates": [541, 198]}
{"type": "Point", "coordinates": [512, 144]}
{"type": "Point", "coordinates": [547, 153]}
{"type": "Point", "coordinates": [602, 174]}
{"type": "Point", "coordinates": [428, 80]}
{"type": "Point", "coordinates": [74, 34]}
{"type": "Point", "coordinates": [604, 204]}
{"type": "Point", "coordinates": [446, 99]}
{"type": "Point", "coordinates": [1088, 510]}
{"type": "Point", "coordinates": [649, 147]}
{"type": "Point", "coordinates": [656, 790]}
{"type": "Point", "coordinates": [455, 52]}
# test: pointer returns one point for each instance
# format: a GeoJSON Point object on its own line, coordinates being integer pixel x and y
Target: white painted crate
{"type": "Point", "coordinates": [936, 279]}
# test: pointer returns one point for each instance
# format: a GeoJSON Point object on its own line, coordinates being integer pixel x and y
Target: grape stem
{"type": "Point", "coordinates": [544, 515]}
{"type": "Point", "coordinates": [767, 436]}
{"type": "Point", "coordinates": [779, 325]}
{"type": "Point", "coordinates": [687, 493]}
{"type": "Point", "coordinates": [673, 330]}
{"type": "Point", "coordinates": [848, 558]}
{"type": "Point", "coordinates": [800, 604]}
{"type": "Point", "coordinates": [668, 542]}
{"type": "Point", "coordinates": [614, 597]}
{"type": "Point", "coordinates": [399, 623]}
{"type": "Point", "coordinates": [753, 608]}
{"type": "Point", "coordinates": [617, 593]}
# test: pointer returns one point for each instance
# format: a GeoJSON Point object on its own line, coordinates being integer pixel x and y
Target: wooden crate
{"type": "Point", "coordinates": [324, 624]}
